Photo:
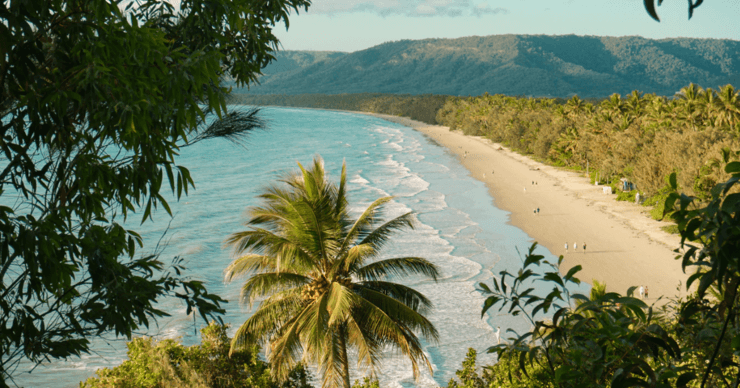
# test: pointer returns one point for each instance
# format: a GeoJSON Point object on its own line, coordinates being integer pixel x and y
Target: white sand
{"type": "Point", "coordinates": [624, 246]}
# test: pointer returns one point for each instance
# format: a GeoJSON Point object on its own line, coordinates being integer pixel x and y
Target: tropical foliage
{"type": "Point", "coordinates": [321, 281]}
{"type": "Point", "coordinates": [167, 363]}
{"type": "Point", "coordinates": [644, 138]}
{"type": "Point", "coordinates": [611, 340]}
{"type": "Point", "coordinates": [97, 98]}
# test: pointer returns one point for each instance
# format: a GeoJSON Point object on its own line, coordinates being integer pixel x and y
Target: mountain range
{"type": "Point", "coordinates": [528, 65]}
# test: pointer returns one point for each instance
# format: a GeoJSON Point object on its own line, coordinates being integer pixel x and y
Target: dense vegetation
{"type": "Point", "coordinates": [167, 363]}
{"type": "Point", "coordinates": [288, 61]}
{"type": "Point", "coordinates": [642, 137]}
{"type": "Point", "coordinates": [423, 108]}
{"type": "Point", "coordinates": [516, 65]}
{"type": "Point", "coordinates": [97, 99]}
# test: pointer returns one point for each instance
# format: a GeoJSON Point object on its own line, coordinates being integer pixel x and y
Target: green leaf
{"type": "Point", "coordinates": [650, 8]}
{"type": "Point", "coordinates": [736, 343]}
{"type": "Point", "coordinates": [685, 379]}
{"type": "Point", "coordinates": [732, 168]}
{"type": "Point", "coordinates": [488, 303]}
{"type": "Point", "coordinates": [673, 182]}
{"type": "Point", "coordinates": [554, 277]}
{"type": "Point", "coordinates": [572, 272]}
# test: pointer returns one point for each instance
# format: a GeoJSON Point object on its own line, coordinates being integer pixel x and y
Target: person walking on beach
{"type": "Point", "coordinates": [646, 292]}
{"type": "Point", "coordinates": [641, 292]}
{"type": "Point", "coordinates": [566, 247]}
{"type": "Point", "coordinates": [538, 210]}
{"type": "Point", "coordinates": [584, 247]}
{"type": "Point", "coordinates": [575, 247]}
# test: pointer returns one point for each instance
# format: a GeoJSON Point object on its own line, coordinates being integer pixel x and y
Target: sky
{"type": "Point", "coordinates": [353, 25]}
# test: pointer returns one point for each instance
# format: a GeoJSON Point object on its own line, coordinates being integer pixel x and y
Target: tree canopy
{"type": "Point", "coordinates": [97, 98]}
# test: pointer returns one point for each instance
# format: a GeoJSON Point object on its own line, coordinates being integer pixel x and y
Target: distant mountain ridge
{"type": "Point", "coordinates": [532, 65]}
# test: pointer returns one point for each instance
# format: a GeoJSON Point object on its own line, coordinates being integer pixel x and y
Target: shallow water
{"type": "Point", "coordinates": [460, 230]}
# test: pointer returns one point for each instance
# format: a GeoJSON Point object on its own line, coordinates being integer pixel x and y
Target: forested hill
{"type": "Point", "coordinates": [287, 63]}
{"type": "Point", "coordinates": [540, 66]}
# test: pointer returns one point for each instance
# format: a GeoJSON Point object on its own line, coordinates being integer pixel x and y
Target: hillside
{"type": "Point", "coordinates": [541, 66]}
{"type": "Point", "coordinates": [290, 62]}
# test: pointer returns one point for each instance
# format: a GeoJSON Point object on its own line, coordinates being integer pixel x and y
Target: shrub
{"type": "Point", "coordinates": [366, 383]}
{"type": "Point", "coordinates": [167, 363]}
{"type": "Point", "coordinates": [505, 373]}
{"type": "Point", "coordinates": [626, 195]}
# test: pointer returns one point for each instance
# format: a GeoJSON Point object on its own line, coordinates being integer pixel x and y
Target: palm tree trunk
{"type": "Point", "coordinates": [345, 359]}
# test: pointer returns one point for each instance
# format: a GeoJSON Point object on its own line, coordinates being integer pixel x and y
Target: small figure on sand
{"type": "Point", "coordinates": [575, 247]}
{"type": "Point", "coordinates": [646, 292]}
{"type": "Point", "coordinates": [532, 183]}
{"type": "Point", "coordinates": [534, 211]}
{"type": "Point", "coordinates": [566, 247]}
{"type": "Point", "coordinates": [525, 189]}
{"type": "Point", "coordinates": [497, 334]}
{"type": "Point", "coordinates": [584, 247]}
{"type": "Point", "coordinates": [641, 292]}
{"type": "Point", "coordinates": [538, 210]}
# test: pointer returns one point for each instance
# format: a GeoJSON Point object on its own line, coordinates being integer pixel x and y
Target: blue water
{"type": "Point", "coordinates": [460, 230]}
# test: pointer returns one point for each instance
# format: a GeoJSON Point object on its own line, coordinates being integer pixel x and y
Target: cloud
{"type": "Point", "coordinates": [485, 9]}
{"type": "Point", "coordinates": [413, 8]}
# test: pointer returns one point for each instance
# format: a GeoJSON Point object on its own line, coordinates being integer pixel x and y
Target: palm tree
{"type": "Point", "coordinates": [729, 107]}
{"type": "Point", "coordinates": [321, 285]}
{"type": "Point", "coordinates": [691, 98]}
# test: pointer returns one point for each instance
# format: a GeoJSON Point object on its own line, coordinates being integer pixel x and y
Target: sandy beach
{"type": "Point", "coordinates": [624, 246]}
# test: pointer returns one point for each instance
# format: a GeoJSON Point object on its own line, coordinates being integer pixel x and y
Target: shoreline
{"type": "Point", "coordinates": [625, 247]}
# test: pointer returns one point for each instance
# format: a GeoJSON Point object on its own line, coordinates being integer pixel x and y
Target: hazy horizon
{"type": "Point", "coordinates": [350, 52]}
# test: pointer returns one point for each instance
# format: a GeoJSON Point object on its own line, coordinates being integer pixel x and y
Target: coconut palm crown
{"type": "Point", "coordinates": [320, 281]}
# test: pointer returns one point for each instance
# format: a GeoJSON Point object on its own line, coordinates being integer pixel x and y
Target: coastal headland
{"type": "Point", "coordinates": [624, 247]}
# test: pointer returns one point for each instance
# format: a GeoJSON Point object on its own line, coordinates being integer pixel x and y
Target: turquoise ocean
{"type": "Point", "coordinates": [460, 229]}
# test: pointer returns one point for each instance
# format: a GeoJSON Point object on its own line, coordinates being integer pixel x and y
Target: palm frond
{"type": "Point", "coordinates": [266, 321]}
{"type": "Point", "coordinates": [393, 324]}
{"type": "Point", "coordinates": [378, 237]}
{"type": "Point", "coordinates": [354, 258]}
{"type": "Point", "coordinates": [292, 254]}
{"type": "Point", "coordinates": [406, 295]}
{"type": "Point", "coordinates": [248, 264]}
{"type": "Point", "coordinates": [369, 350]}
{"type": "Point", "coordinates": [397, 312]}
{"type": "Point", "coordinates": [286, 344]}
{"type": "Point", "coordinates": [340, 302]}
{"type": "Point", "coordinates": [264, 284]}
{"type": "Point", "coordinates": [364, 222]}
{"type": "Point", "coordinates": [332, 360]}
{"type": "Point", "coordinates": [401, 266]}
{"type": "Point", "coordinates": [341, 196]}
{"type": "Point", "coordinates": [234, 127]}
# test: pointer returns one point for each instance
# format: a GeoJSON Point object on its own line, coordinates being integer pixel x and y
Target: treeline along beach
{"type": "Point", "coordinates": [640, 137]}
